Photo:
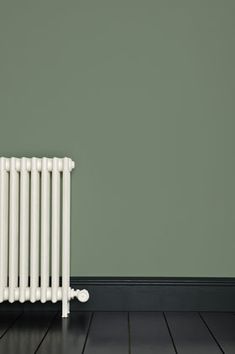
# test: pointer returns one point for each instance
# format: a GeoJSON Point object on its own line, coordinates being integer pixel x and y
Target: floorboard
{"type": "Point", "coordinates": [26, 333]}
{"type": "Point", "coordinates": [108, 334]}
{"type": "Point", "coordinates": [7, 319]}
{"type": "Point", "coordinates": [117, 333]}
{"type": "Point", "coordinates": [190, 334]}
{"type": "Point", "coordinates": [66, 336]}
{"type": "Point", "coordinates": [222, 326]}
{"type": "Point", "coordinates": [149, 334]}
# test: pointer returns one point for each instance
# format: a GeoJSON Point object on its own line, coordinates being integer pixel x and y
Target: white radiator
{"type": "Point", "coordinates": [35, 231]}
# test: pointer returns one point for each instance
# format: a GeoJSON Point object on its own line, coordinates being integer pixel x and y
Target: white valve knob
{"type": "Point", "coordinates": [82, 295]}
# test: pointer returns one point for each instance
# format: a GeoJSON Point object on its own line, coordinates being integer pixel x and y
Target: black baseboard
{"type": "Point", "coordinates": [146, 294]}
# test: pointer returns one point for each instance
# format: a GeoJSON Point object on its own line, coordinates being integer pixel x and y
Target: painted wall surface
{"type": "Point", "coordinates": [141, 94]}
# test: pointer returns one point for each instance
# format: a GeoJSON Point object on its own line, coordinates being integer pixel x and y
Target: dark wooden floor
{"type": "Point", "coordinates": [117, 333]}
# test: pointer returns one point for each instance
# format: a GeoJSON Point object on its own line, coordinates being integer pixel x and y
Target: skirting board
{"type": "Point", "coordinates": [146, 294]}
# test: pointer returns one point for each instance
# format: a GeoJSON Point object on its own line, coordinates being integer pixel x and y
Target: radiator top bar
{"type": "Point", "coordinates": [35, 163]}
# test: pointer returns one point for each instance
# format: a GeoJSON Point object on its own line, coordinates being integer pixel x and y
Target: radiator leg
{"type": "Point", "coordinates": [65, 308]}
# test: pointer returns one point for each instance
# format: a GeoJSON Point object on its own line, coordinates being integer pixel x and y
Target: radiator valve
{"type": "Point", "coordinates": [81, 295]}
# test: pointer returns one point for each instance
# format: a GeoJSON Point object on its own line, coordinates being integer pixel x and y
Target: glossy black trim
{"type": "Point", "coordinates": [146, 294]}
{"type": "Point", "coordinates": [156, 294]}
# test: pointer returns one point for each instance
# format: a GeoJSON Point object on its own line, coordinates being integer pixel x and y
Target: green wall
{"type": "Point", "coordinates": [141, 95]}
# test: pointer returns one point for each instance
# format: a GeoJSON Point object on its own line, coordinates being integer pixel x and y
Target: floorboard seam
{"type": "Point", "coordinates": [87, 334]}
{"type": "Point", "coordinates": [48, 328]}
{"type": "Point", "coordinates": [11, 325]}
{"type": "Point", "coordinates": [168, 327]}
{"type": "Point", "coordinates": [211, 333]}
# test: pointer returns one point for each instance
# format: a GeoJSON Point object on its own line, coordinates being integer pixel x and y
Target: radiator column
{"type": "Point", "coordinates": [24, 228]}
{"type": "Point", "coordinates": [3, 227]}
{"type": "Point", "coordinates": [55, 231]}
{"type": "Point", "coordinates": [65, 237]}
{"type": "Point", "coordinates": [13, 229]}
{"type": "Point", "coordinates": [34, 236]}
{"type": "Point", "coordinates": [45, 228]}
